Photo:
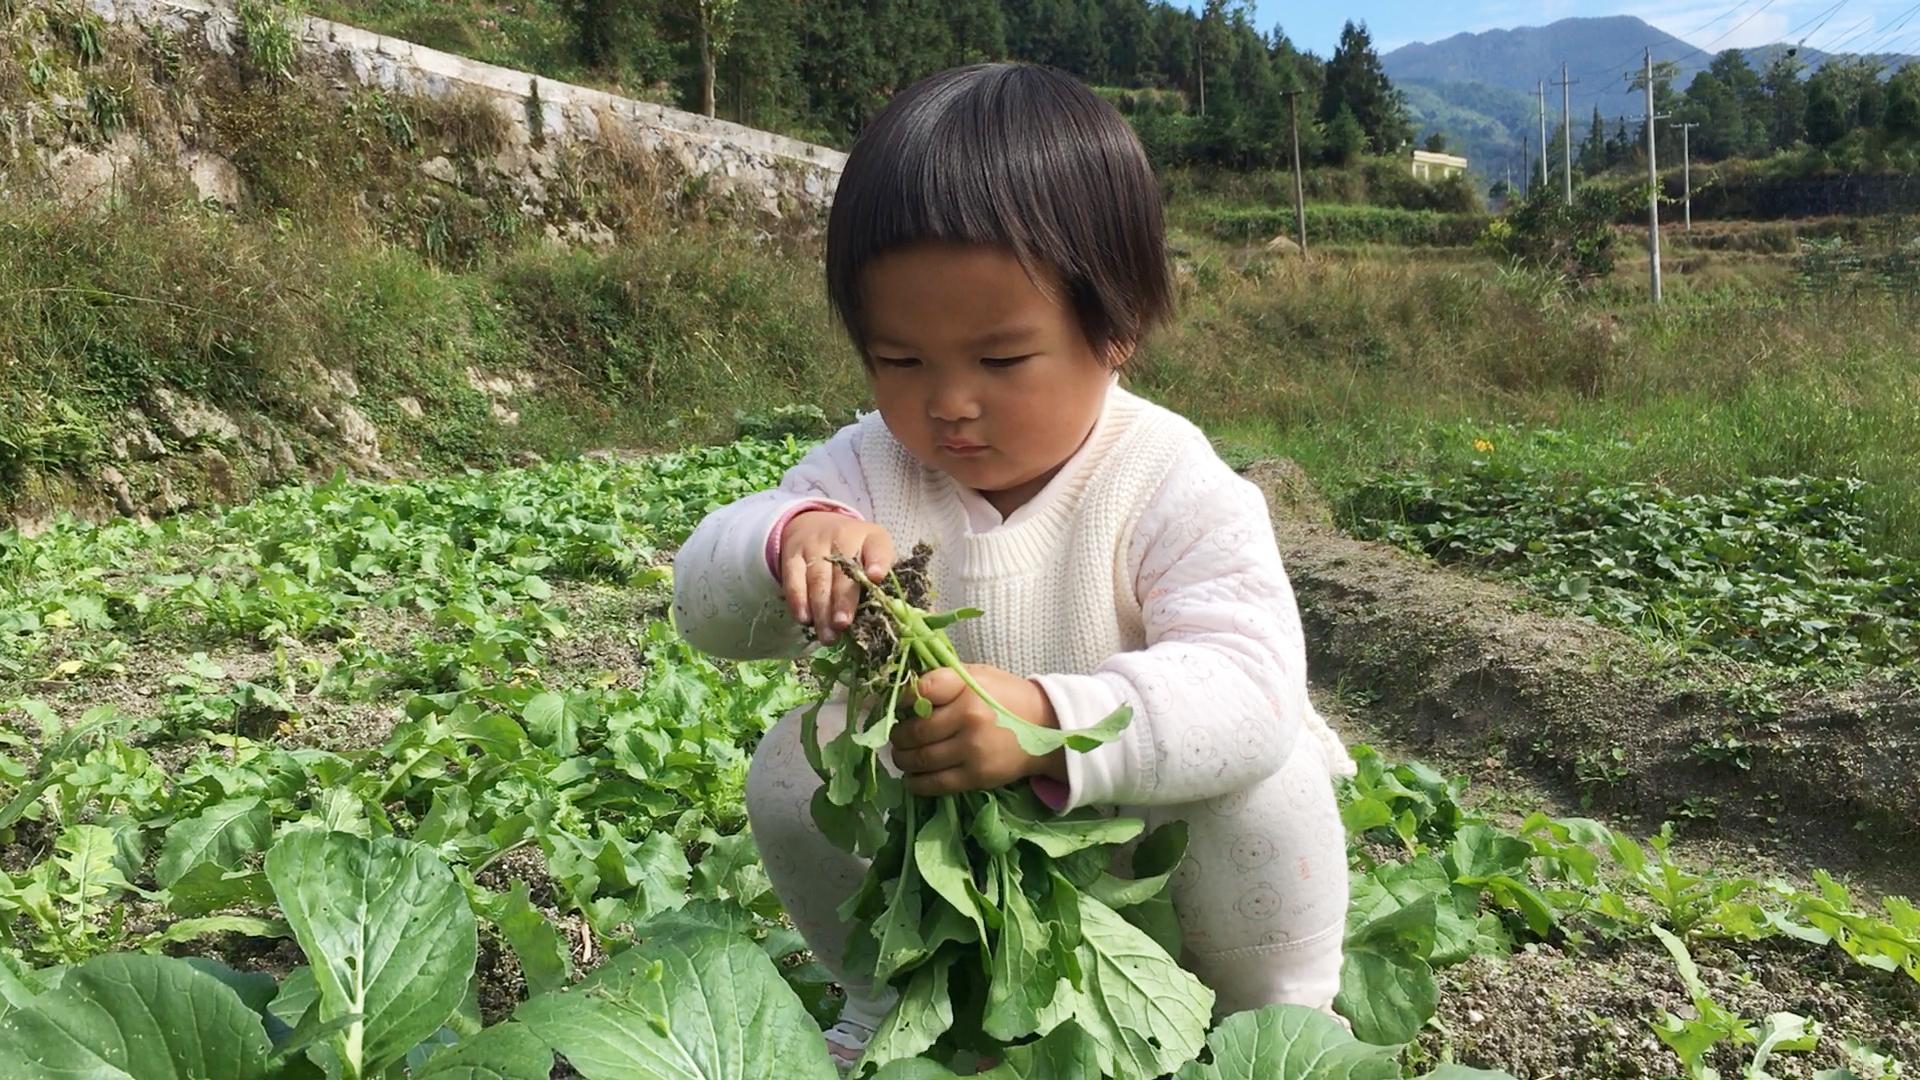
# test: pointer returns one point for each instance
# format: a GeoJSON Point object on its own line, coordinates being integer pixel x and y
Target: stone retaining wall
{"type": "Point", "coordinates": [775, 174]}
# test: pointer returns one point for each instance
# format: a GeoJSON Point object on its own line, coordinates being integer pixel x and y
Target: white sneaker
{"type": "Point", "coordinates": [846, 1041]}
{"type": "Point", "coordinates": [859, 1017]}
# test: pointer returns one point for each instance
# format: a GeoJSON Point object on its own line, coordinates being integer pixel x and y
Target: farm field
{"type": "Point", "coordinates": [344, 731]}
{"type": "Point", "coordinates": [465, 689]}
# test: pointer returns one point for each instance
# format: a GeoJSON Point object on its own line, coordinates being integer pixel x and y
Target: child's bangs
{"type": "Point", "coordinates": [1011, 156]}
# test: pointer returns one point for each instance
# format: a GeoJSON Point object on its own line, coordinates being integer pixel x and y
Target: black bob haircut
{"type": "Point", "coordinates": [1014, 156]}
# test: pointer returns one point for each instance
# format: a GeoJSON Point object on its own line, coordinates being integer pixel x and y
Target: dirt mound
{"type": "Point", "coordinates": [1470, 665]}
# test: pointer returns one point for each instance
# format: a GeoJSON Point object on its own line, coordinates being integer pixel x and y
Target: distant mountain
{"type": "Point", "coordinates": [1479, 89]}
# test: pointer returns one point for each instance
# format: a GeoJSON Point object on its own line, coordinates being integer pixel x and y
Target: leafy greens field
{"type": "Point", "coordinates": [328, 785]}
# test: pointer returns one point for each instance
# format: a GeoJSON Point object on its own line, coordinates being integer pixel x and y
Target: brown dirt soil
{"type": "Point", "coordinates": [1551, 1011]}
{"type": "Point", "coordinates": [1546, 1012]}
{"type": "Point", "coordinates": [1469, 667]}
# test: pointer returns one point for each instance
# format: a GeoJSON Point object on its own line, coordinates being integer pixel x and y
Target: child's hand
{"type": "Point", "coordinates": [961, 746]}
{"type": "Point", "coordinates": [819, 594]}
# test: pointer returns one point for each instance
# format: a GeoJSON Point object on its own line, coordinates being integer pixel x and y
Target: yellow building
{"type": "Point", "coordinates": [1428, 165]}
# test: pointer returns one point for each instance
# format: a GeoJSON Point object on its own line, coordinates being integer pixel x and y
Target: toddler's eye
{"type": "Point", "coordinates": [897, 361]}
{"type": "Point", "coordinates": [1004, 361]}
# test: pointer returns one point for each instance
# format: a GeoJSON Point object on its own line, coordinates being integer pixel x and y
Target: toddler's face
{"type": "Point", "coordinates": [978, 371]}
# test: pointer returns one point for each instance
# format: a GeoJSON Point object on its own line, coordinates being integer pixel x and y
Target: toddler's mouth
{"type": "Point", "coordinates": [962, 448]}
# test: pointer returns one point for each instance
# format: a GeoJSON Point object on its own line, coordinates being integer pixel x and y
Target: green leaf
{"type": "Point", "coordinates": [1147, 1015]}
{"type": "Point", "coordinates": [941, 858]}
{"type": "Point", "coordinates": [1062, 836]}
{"type": "Point", "coordinates": [1290, 1042]}
{"type": "Point", "coordinates": [923, 1013]}
{"type": "Point", "coordinates": [19, 984]}
{"type": "Point", "coordinates": [544, 957]}
{"type": "Point", "coordinates": [730, 868]}
{"type": "Point", "coordinates": [555, 719]}
{"type": "Point", "coordinates": [87, 867]}
{"type": "Point", "coordinates": [1041, 741]}
{"type": "Point", "coordinates": [1154, 861]}
{"type": "Point", "coordinates": [1022, 979]}
{"type": "Point", "coordinates": [221, 835]}
{"type": "Point", "coordinates": [507, 1051]}
{"type": "Point", "coordinates": [129, 1016]}
{"type": "Point", "coordinates": [694, 1005]}
{"type": "Point", "coordinates": [1480, 852]}
{"type": "Point", "coordinates": [209, 888]}
{"type": "Point", "coordinates": [1066, 1053]}
{"type": "Point", "coordinates": [388, 931]}
{"type": "Point", "coordinates": [1782, 1032]}
{"type": "Point", "coordinates": [1387, 998]}
{"type": "Point", "coordinates": [191, 929]}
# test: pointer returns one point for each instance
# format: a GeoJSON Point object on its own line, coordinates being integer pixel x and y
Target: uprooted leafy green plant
{"type": "Point", "coordinates": [997, 921]}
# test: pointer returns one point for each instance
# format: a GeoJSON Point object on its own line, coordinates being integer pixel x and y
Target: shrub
{"type": "Point", "coordinates": [1348, 225]}
{"type": "Point", "coordinates": [1574, 243]}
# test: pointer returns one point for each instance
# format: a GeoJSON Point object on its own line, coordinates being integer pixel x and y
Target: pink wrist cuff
{"type": "Point", "coordinates": [779, 529]}
{"type": "Point", "coordinates": [1052, 792]}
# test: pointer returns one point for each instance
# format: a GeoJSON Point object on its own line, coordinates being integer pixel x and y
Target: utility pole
{"type": "Point", "coordinates": [1526, 163]}
{"type": "Point", "coordinates": [1566, 127]}
{"type": "Point", "coordinates": [1543, 133]}
{"type": "Point", "coordinates": [1653, 187]}
{"type": "Point", "coordinates": [1200, 55]}
{"type": "Point", "coordinates": [1299, 185]}
{"type": "Point", "coordinates": [1686, 168]}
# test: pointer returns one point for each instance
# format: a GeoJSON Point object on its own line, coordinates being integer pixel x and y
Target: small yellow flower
{"type": "Point", "coordinates": [1483, 446]}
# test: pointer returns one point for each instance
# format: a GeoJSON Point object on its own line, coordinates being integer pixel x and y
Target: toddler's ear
{"type": "Point", "coordinates": [1117, 354]}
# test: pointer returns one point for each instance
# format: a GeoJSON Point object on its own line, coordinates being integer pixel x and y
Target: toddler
{"type": "Point", "coordinates": [996, 252]}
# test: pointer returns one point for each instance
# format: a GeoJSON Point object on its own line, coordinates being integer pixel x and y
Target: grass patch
{"type": "Point", "coordinates": [1774, 570]}
{"type": "Point", "coordinates": [1338, 224]}
{"type": "Point", "coordinates": [1356, 366]}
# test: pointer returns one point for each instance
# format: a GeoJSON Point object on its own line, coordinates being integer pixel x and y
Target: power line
{"type": "Point", "coordinates": [1891, 32]}
{"type": "Point", "coordinates": [1850, 39]}
{"type": "Point", "coordinates": [1699, 50]}
{"type": "Point", "coordinates": [1614, 68]}
{"type": "Point", "coordinates": [1822, 19]}
{"type": "Point", "coordinates": [1848, 31]}
{"type": "Point", "coordinates": [1717, 18]}
{"type": "Point", "coordinates": [1736, 27]}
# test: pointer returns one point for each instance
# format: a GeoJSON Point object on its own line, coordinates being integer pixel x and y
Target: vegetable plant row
{"type": "Point", "coordinates": [160, 855]}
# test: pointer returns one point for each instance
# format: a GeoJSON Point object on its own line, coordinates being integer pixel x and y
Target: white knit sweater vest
{"type": "Point", "coordinates": [1055, 582]}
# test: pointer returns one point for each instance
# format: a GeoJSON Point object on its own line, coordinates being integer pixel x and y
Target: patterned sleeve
{"type": "Point", "coordinates": [1219, 695]}
{"type": "Point", "coordinates": [726, 598]}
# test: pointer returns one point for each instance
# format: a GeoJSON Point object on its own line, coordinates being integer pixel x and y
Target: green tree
{"type": "Point", "coordinates": [1436, 143]}
{"type": "Point", "coordinates": [1722, 120]}
{"type": "Point", "coordinates": [757, 76]}
{"type": "Point", "coordinates": [709, 26]}
{"type": "Point", "coordinates": [1903, 103]}
{"type": "Point", "coordinates": [1346, 140]}
{"type": "Point", "coordinates": [1129, 29]}
{"type": "Point", "coordinates": [609, 34]}
{"type": "Point", "coordinates": [1356, 82]}
{"type": "Point", "coordinates": [1826, 113]}
{"type": "Point", "coordinates": [1745, 124]}
{"type": "Point", "coordinates": [978, 29]}
{"type": "Point", "coordinates": [1593, 151]}
{"type": "Point", "coordinates": [1787, 98]}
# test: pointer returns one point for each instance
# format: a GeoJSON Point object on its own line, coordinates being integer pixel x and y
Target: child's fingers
{"type": "Point", "coordinates": [916, 732]}
{"type": "Point", "coordinates": [793, 580]}
{"type": "Point", "coordinates": [940, 687]}
{"type": "Point", "coordinates": [820, 597]}
{"type": "Point", "coordinates": [944, 782]}
{"type": "Point", "coordinates": [931, 757]}
{"type": "Point", "coordinates": [877, 554]}
{"type": "Point", "coordinates": [846, 598]}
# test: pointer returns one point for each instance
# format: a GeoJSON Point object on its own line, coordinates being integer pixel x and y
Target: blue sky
{"type": "Point", "coordinates": [1752, 22]}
